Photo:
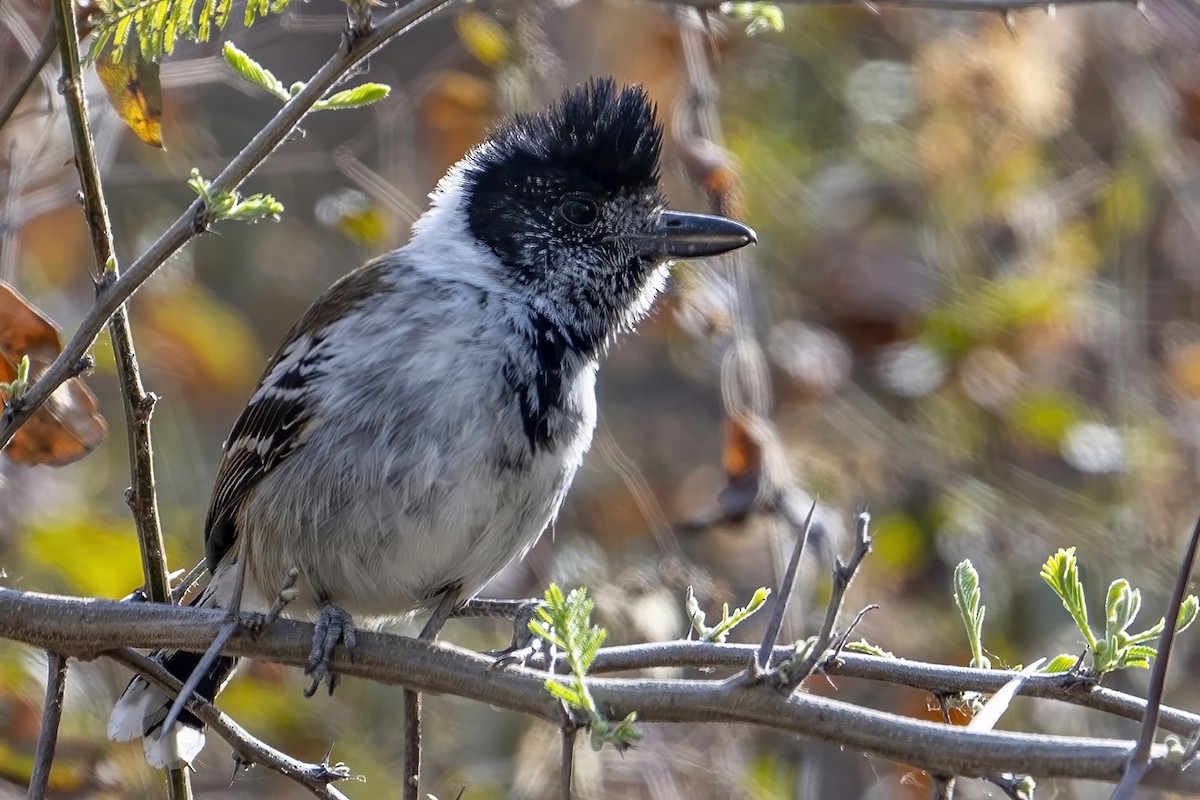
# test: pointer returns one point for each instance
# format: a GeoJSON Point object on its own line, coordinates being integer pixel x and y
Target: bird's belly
{"type": "Point", "coordinates": [386, 545]}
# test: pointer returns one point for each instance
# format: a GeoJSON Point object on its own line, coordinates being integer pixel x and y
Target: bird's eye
{"type": "Point", "coordinates": [579, 212]}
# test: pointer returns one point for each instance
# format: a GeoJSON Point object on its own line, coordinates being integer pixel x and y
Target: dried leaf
{"type": "Point", "coordinates": [742, 455]}
{"type": "Point", "coordinates": [712, 168]}
{"type": "Point", "coordinates": [134, 91]}
{"type": "Point", "coordinates": [68, 426]}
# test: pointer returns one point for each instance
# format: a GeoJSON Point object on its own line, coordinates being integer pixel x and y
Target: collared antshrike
{"type": "Point", "coordinates": [420, 425]}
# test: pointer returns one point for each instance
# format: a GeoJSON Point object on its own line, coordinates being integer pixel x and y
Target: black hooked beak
{"type": "Point", "coordinates": [678, 234]}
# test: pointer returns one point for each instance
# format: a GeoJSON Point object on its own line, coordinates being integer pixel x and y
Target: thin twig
{"type": "Point", "coordinates": [43, 759]}
{"type": "Point", "coordinates": [569, 730]}
{"type": "Point", "coordinates": [943, 788]}
{"type": "Point", "coordinates": [789, 676]}
{"type": "Point", "coordinates": [188, 581]}
{"type": "Point", "coordinates": [194, 220]}
{"type": "Point", "coordinates": [775, 623]}
{"type": "Point", "coordinates": [411, 729]}
{"type": "Point", "coordinates": [138, 404]}
{"type": "Point", "coordinates": [249, 750]}
{"type": "Point", "coordinates": [1139, 760]}
{"type": "Point", "coordinates": [36, 64]}
{"type": "Point", "coordinates": [199, 672]}
{"type": "Point", "coordinates": [411, 723]}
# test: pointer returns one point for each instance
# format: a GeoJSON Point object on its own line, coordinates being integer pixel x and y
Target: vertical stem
{"type": "Point", "coordinates": [138, 404]}
{"type": "Point", "coordinates": [56, 681]}
{"type": "Point", "coordinates": [412, 745]}
{"type": "Point", "coordinates": [39, 60]}
{"type": "Point", "coordinates": [568, 758]}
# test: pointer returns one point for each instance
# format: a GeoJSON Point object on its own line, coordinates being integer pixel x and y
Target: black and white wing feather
{"type": "Point", "coordinates": [283, 408]}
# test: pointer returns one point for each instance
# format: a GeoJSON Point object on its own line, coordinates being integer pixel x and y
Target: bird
{"type": "Point", "coordinates": [420, 425]}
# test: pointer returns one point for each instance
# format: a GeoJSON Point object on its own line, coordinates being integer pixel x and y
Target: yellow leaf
{"type": "Point", "coordinates": [135, 92]}
{"type": "Point", "coordinates": [483, 37]}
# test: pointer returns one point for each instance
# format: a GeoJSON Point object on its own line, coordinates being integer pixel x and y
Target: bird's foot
{"type": "Point", "coordinates": [333, 625]}
{"type": "Point", "coordinates": [523, 646]}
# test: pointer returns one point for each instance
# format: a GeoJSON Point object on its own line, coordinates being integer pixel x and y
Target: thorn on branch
{"type": "Point", "coordinates": [84, 366]}
{"type": "Point", "coordinates": [144, 408]}
{"type": "Point", "coordinates": [797, 669]}
{"type": "Point", "coordinates": [845, 637]}
{"type": "Point", "coordinates": [775, 624]}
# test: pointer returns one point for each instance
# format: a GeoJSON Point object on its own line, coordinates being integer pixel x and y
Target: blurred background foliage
{"type": "Point", "coordinates": [976, 287]}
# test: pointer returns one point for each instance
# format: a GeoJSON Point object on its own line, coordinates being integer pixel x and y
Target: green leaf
{"type": "Point", "coordinates": [1061, 572]}
{"type": "Point", "coordinates": [967, 597]}
{"type": "Point", "coordinates": [1060, 663]}
{"type": "Point", "coordinates": [761, 16]}
{"type": "Point", "coordinates": [252, 72]}
{"type": "Point", "coordinates": [566, 623]}
{"type": "Point", "coordinates": [1187, 613]}
{"type": "Point", "coordinates": [358, 97]}
{"type": "Point", "coordinates": [1121, 607]}
{"type": "Point", "coordinates": [229, 205]}
{"type": "Point", "coordinates": [159, 24]}
{"type": "Point", "coordinates": [863, 646]}
{"type": "Point", "coordinates": [564, 693]}
{"type": "Point", "coordinates": [1137, 656]}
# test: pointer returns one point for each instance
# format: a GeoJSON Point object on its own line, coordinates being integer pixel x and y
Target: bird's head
{"type": "Point", "coordinates": [569, 205]}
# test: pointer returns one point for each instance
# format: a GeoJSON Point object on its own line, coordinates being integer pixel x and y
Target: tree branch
{"type": "Point", "coordinates": [194, 220]}
{"type": "Point", "coordinates": [39, 60]}
{"type": "Point", "coordinates": [138, 404]}
{"type": "Point", "coordinates": [43, 759]}
{"type": "Point", "coordinates": [88, 627]}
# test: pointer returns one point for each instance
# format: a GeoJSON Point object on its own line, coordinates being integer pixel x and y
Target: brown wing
{"type": "Point", "coordinates": [272, 427]}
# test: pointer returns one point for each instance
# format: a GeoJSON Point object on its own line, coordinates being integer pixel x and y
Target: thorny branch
{"type": "Point", "coordinates": [87, 628]}
{"type": "Point", "coordinates": [137, 403]}
{"type": "Point", "coordinates": [792, 674]}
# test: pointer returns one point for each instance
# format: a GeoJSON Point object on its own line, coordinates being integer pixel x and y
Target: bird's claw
{"type": "Point", "coordinates": [333, 625]}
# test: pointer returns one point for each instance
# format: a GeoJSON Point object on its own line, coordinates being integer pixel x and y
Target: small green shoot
{"type": "Point", "coordinates": [16, 388]}
{"type": "Point", "coordinates": [358, 97]}
{"type": "Point", "coordinates": [967, 597]}
{"type": "Point", "coordinates": [256, 74]}
{"type": "Point", "coordinates": [720, 631]}
{"type": "Point", "coordinates": [866, 648]}
{"type": "Point", "coordinates": [1118, 649]}
{"type": "Point", "coordinates": [230, 205]}
{"type": "Point", "coordinates": [760, 17]}
{"type": "Point", "coordinates": [566, 623]}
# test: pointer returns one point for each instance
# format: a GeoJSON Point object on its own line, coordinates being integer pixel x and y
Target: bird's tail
{"type": "Point", "coordinates": [142, 708]}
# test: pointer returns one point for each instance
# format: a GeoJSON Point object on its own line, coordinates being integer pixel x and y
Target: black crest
{"type": "Point", "coordinates": [607, 135]}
